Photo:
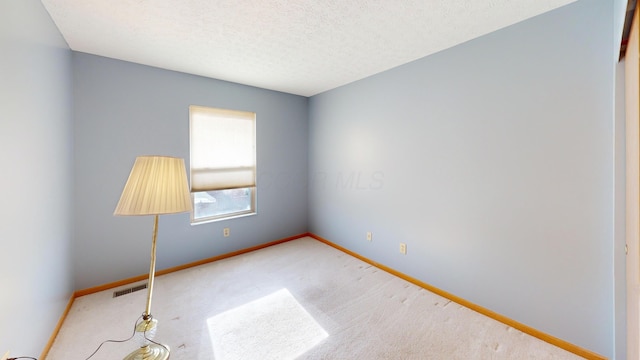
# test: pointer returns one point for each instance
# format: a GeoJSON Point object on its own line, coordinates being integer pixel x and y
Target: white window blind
{"type": "Point", "coordinates": [223, 148]}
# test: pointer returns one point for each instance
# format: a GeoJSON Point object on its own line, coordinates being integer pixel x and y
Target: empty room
{"type": "Point", "coordinates": [349, 179]}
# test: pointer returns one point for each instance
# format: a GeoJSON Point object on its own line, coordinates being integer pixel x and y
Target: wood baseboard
{"type": "Point", "coordinates": [56, 330]}
{"type": "Point", "coordinates": [142, 277]}
{"type": "Point", "coordinates": [118, 283]}
{"type": "Point", "coordinates": [587, 354]}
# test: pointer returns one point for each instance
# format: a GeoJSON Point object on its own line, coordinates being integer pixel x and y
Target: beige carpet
{"type": "Point", "coordinates": [297, 300]}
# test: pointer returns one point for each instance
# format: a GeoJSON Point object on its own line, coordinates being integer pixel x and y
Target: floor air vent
{"type": "Point", "coordinates": [129, 290]}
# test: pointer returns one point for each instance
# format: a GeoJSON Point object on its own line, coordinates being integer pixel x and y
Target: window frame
{"type": "Point", "coordinates": [197, 110]}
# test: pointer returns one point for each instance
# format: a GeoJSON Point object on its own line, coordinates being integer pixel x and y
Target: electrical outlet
{"type": "Point", "coordinates": [226, 232]}
{"type": "Point", "coordinates": [5, 356]}
{"type": "Point", "coordinates": [369, 236]}
{"type": "Point", "coordinates": [403, 248]}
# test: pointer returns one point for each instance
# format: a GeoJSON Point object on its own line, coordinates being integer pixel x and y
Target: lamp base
{"type": "Point", "coordinates": [150, 352]}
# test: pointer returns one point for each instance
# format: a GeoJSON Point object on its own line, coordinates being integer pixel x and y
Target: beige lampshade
{"type": "Point", "coordinates": [156, 185]}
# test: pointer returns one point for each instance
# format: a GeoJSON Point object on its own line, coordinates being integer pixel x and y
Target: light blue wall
{"type": "Point", "coordinates": [123, 110]}
{"type": "Point", "coordinates": [36, 146]}
{"type": "Point", "coordinates": [493, 161]}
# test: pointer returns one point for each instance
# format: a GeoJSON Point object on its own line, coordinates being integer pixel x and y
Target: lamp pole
{"type": "Point", "coordinates": [152, 269]}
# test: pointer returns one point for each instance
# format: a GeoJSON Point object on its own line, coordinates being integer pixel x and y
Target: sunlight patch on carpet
{"type": "Point", "coordinates": [275, 326]}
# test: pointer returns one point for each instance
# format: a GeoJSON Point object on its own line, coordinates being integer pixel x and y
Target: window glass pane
{"type": "Point", "coordinates": [219, 203]}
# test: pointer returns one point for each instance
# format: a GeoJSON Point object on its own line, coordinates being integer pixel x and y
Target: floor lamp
{"type": "Point", "coordinates": [157, 185]}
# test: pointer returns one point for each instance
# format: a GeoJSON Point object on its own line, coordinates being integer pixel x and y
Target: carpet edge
{"type": "Point", "coordinates": [572, 348]}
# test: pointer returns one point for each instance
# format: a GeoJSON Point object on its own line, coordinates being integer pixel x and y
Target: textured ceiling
{"type": "Point", "coordinates": [301, 47]}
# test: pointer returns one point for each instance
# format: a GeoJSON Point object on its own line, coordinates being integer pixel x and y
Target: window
{"type": "Point", "coordinates": [223, 163]}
